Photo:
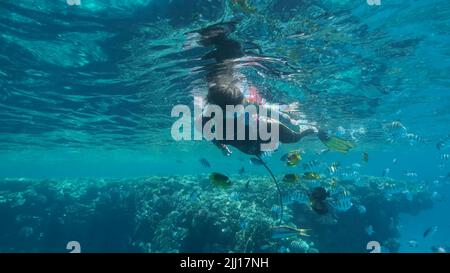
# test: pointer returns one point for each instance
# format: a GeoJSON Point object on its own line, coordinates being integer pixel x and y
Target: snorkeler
{"type": "Point", "coordinates": [226, 86]}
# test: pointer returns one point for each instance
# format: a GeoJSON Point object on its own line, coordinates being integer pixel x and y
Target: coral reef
{"type": "Point", "coordinates": [188, 214]}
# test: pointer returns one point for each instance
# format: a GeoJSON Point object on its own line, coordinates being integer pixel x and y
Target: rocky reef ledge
{"type": "Point", "coordinates": [188, 214]}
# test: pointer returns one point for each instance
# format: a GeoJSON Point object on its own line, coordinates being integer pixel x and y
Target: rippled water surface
{"type": "Point", "coordinates": [87, 87]}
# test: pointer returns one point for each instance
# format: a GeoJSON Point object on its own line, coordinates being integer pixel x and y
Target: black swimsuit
{"type": "Point", "coordinates": [222, 73]}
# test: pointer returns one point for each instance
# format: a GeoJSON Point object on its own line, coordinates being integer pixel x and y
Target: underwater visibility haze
{"type": "Point", "coordinates": [87, 151]}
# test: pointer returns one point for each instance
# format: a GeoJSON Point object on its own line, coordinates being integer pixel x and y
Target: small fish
{"type": "Point", "coordinates": [220, 180]}
{"type": "Point", "coordinates": [234, 196]}
{"type": "Point", "coordinates": [445, 157]}
{"type": "Point", "coordinates": [369, 230]}
{"type": "Point", "coordinates": [322, 151]}
{"type": "Point", "coordinates": [408, 195]}
{"type": "Point", "coordinates": [241, 171]}
{"type": "Point", "coordinates": [247, 185]}
{"type": "Point", "coordinates": [332, 182]}
{"type": "Point", "coordinates": [413, 243]}
{"type": "Point", "coordinates": [291, 178]}
{"type": "Point", "coordinates": [386, 172]}
{"type": "Point", "coordinates": [415, 138]}
{"type": "Point", "coordinates": [394, 161]}
{"type": "Point", "coordinates": [332, 169]}
{"type": "Point", "coordinates": [276, 210]}
{"type": "Point", "coordinates": [438, 249]}
{"type": "Point", "coordinates": [410, 174]}
{"type": "Point", "coordinates": [286, 199]}
{"type": "Point", "coordinates": [365, 157]}
{"type": "Point", "coordinates": [397, 125]}
{"type": "Point", "coordinates": [443, 142]}
{"type": "Point", "coordinates": [243, 6]}
{"type": "Point", "coordinates": [266, 154]}
{"type": "Point", "coordinates": [256, 161]}
{"type": "Point", "coordinates": [311, 165]}
{"type": "Point", "coordinates": [430, 231]}
{"type": "Point", "coordinates": [392, 188]}
{"type": "Point", "coordinates": [334, 191]}
{"type": "Point", "coordinates": [299, 245]}
{"type": "Point", "coordinates": [342, 202]}
{"type": "Point", "coordinates": [351, 175]}
{"type": "Point", "coordinates": [298, 197]}
{"type": "Point", "coordinates": [292, 158]}
{"type": "Point", "coordinates": [311, 176]}
{"type": "Point", "coordinates": [194, 196]}
{"type": "Point", "coordinates": [204, 162]}
{"type": "Point", "coordinates": [266, 247]}
{"type": "Point", "coordinates": [435, 195]}
{"type": "Point", "coordinates": [397, 130]}
{"type": "Point", "coordinates": [280, 232]}
{"type": "Point", "coordinates": [342, 205]}
{"type": "Point", "coordinates": [361, 209]}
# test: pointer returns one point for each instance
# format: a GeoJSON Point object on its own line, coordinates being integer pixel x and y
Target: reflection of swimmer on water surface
{"type": "Point", "coordinates": [226, 86]}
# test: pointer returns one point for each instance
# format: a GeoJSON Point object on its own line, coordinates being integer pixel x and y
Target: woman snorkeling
{"type": "Point", "coordinates": [228, 87]}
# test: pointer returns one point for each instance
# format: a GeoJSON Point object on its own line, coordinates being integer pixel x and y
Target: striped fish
{"type": "Point", "coordinates": [332, 169]}
{"type": "Point", "coordinates": [392, 188]}
{"type": "Point", "coordinates": [397, 125]}
{"type": "Point", "coordinates": [410, 174]}
{"type": "Point", "coordinates": [312, 165]}
{"type": "Point", "coordinates": [413, 138]}
{"type": "Point", "coordinates": [296, 197]}
{"type": "Point", "coordinates": [443, 142]}
{"type": "Point", "coordinates": [342, 201]}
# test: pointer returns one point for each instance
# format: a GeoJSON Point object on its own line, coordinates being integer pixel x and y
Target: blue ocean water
{"type": "Point", "coordinates": [87, 89]}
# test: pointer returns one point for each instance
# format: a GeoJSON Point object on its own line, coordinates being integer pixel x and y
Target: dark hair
{"type": "Point", "coordinates": [223, 95]}
{"type": "Point", "coordinates": [216, 33]}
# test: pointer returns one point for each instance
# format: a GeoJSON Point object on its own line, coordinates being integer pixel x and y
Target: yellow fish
{"type": "Point", "coordinates": [311, 176]}
{"type": "Point", "coordinates": [281, 232]}
{"type": "Point", "coordinates": [335, 143]}
{"type": "Point", "coordinates": [292, 158]}
{"type": "Point", "coordinates": [220, 180]}
{"type": "Point", "coordinates": [332, 182]}
{"type": "Point", "coordinates": [291, 178]}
